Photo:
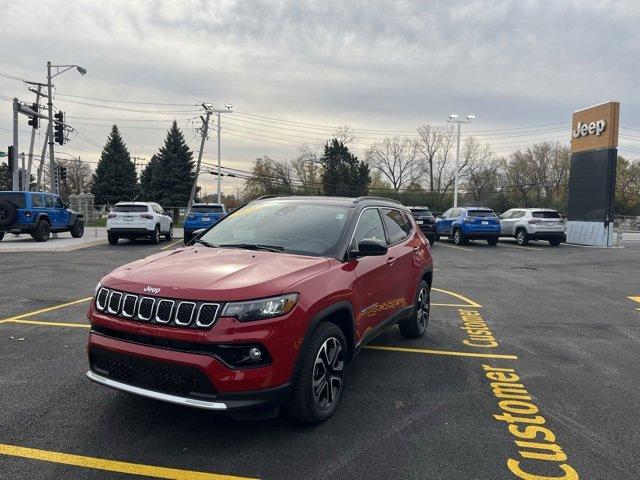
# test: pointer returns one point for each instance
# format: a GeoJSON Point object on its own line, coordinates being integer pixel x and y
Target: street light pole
{"type": "Point", "coordinates": [453, 118]}
{"type": "Point", "coordinates": [227, 109]}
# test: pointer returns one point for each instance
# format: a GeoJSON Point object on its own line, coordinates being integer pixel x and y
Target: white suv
{"type": "Point", "coordinates": [138, 219]}
{"type": "Point", "coordinates": [533, 224]}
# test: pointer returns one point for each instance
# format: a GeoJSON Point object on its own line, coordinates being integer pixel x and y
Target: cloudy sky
{"type": "Point", "coordinates": [294, 70]}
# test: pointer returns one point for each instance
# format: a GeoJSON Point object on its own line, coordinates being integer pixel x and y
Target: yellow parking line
{"type": "Point", "coordinates": [440, 352]}
{"type": "Point", "coordinates": [112, 465]}
{"type": "Point", "coordinates": [45, 310]}
{"type": "Point", "coordinates": [455, 246]}
{"type": "Point", "coordinates": [171, 245]}
{"type": "Point", "coordinates": [470, 303]}
{"type": "Point", "coordinates": [51, 324]}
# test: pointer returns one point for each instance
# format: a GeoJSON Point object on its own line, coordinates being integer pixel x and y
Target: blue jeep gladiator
{"type": "Point", "coordinates": [38, 214]}
{"type": "Point", "coordinates": [201, 216]}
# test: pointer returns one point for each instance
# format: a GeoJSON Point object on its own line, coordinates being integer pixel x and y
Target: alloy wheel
{"type": "Point", "coordinates": [423, 306]}
{"type": "Point", "coordinates": [327, 373]}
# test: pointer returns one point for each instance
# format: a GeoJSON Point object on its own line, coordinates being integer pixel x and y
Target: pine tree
{"type": "Point", "coordinates": [173, 176]}
{"type": "Point", "coordinates": [149, 180]}
{"type": "Point", "coordinates": [5, 177]}
{"type": "Point", "coordinates": [115, 177]}
{"type": "Point", "coordinates": [343, 174]}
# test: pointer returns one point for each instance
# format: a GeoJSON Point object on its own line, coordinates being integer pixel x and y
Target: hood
{"type": "Point", "coordinates": [217, 274]}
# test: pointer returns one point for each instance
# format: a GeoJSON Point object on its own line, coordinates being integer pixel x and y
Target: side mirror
{"type": "Point", "coordinates": [66, 204]}
{"type": "Point", "coordinates": [370, 247]}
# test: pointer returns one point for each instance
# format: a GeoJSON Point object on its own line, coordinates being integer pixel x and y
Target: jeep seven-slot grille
{"type": "Point", "coordinates": [158, 376]}
{"type": "Point", "coordinates": [162, 311]}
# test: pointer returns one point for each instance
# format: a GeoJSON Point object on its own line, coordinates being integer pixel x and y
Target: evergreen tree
{"type": "Point", "coordinates": [149, 180]}
{"type": "Point", "coordinates": [5, 177]}
{"type": "Point", "coordinates": [343, 174]}
{"type": "Point", "coordinates": [115, 177]}
{"type": "Point", "coordinates": [173, 176]}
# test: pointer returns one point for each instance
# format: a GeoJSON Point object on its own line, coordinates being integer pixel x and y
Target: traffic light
{"type": "Point", "coordinates": [58, 134]}
{"type": "Point", "coordinates": [10, 160]}
{"type": "Point", "coordinates": [34, 121]}
{"type": "Point", "coordinates": [63, 172]}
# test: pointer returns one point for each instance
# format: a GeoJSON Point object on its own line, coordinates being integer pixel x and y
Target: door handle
{"type": "Point", "coordinates": [391, 260]}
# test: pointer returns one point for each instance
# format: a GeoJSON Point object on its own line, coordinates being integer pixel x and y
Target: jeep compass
{"type": "Point", "coordinates": [265, 309]}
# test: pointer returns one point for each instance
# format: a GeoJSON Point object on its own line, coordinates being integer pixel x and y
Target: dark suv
{"type": "Point", "coordinates": [265, 309]}
{"type": "Point", "coordinates": [425, 221]}
{"type": "Point", "coordinates": [38, 214]}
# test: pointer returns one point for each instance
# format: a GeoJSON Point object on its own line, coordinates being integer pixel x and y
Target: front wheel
{"type": "Point", "coordinates": [318, 389]}
{"type": "Point", "coordinates": [492, 241]}
{"type": "Point", "coordinates": [416, 325]}
{"type": "Point", "coordinates": [77, 231]}
{"type": "Point", "coordinates": [155, 235]}
{"type": "Point", "coordinates": [169, 235]}
{"type": "Point", "coordinates": [554, 243]}
{"type": "Point", "coordinates": [459, 237]}
{"type": "Point", "coordinates": [432, 240]}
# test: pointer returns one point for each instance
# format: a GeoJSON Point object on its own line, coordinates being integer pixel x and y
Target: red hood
{"type": "Point", "coordinates": [202, 273]}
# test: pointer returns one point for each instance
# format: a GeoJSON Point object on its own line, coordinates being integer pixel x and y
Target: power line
{"type": "Point", "coordinates": [126, 101]}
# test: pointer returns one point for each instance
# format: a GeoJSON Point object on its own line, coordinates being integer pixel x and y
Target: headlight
{"type": "Point", "coordinates": [98, 287]}
{"type": "Point", "coordinates": [260, 309]}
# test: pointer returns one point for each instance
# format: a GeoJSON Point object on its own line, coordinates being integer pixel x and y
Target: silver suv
{"type": "Point", "coordinates": [526, 224]}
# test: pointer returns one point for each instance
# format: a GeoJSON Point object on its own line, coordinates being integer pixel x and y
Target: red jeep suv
{"type": "Point", "coordinates": [265, 309]}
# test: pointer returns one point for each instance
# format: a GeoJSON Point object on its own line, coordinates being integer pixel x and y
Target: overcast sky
{"type": "Point", "coordinates": [377, 66]}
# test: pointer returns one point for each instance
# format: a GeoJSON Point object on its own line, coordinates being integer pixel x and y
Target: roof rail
{"type": "Point", "coordinates": [370, 197]}
{"type": "Point", "coordinates": [263, 197]}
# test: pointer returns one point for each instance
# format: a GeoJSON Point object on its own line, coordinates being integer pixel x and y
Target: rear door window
{"type": "Point", "coordinates": [36, 201]}
{"type": "Point", "coordinates": [396, 225]}
{"type": "Point", "coordinates": [481, 213]}
{"type": "Point", "coordinates": [369, 226]}
{"type": "Point", "coordinates": [545, 214]}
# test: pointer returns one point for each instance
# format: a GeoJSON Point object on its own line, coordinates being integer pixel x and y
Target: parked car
{"type": "Point", "coordinates": [425, 221]}
{"type": "Point", "coordinates": [202, 215]}
{"type": "Point", "coordinates": [39, 214]}
{"type": "Point", "coordinates": [469, 223]}
{"type": "Point", "coordinates": [267, 307]}
{"type": "Point", "coordinates": [526, 224]}
{"type": "Point", "coordinates": [138, 219]}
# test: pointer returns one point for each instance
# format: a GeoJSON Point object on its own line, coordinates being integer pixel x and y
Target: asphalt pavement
{"type": "Point", "coordinates": [556, 371]}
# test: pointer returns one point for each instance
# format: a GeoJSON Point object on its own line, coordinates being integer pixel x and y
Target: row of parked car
{"type": "Point", "coordinates": [462, 224]}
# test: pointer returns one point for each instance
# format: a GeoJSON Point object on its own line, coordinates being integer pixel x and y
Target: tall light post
{"type": "Point", "coordinates": [227, 109]}
{"type": "Point", "coordinates": [59, 70]}
{"type": "Point", "coordinates": [453, 118]}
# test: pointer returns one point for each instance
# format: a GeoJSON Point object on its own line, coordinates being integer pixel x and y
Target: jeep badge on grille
{"type": "Point", "coordinates": [151, 289]}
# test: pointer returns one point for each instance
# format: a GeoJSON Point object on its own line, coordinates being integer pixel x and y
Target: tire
{"type": "Point", "coordinates": [432, 240]}
{"type": "Point", "coordinates": [492, 241]}
{"type": "Point", "coordinates": [113, 239]}
{"type": "Point", "coordinates": [436, 238]}
{"type": "Point", "coordinates": [169, 235]}
{"type": "Point", "coordinates": [1, 236]}
{"type": "Point", "coordinates": [459, 237]}
{"type": "Point", "coordinates": [42, 231]}
{"type": "Point", "coordinates": [416, 325]}
{"type": "Point", "coordinates": [522, 237]}
{"type": "Point", "coordinates": [554, 243]}
{"type": "Point", "coordinates": [77, 231]}
{"type": "Point", "coordinates": [327, 352]}
{"type": "Point", "coordinates": [155, 236]}
{"type": "Point", "coordinates": [188, 236]}
{"type": "Point", "coordinates": [8, 213]}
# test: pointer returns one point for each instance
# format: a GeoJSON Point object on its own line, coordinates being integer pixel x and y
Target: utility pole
{"type": "Point", "coordinates": [14, 172]}
{"type": "Point", "coordinates": [453, 118]}
{"type": "Point", "coordinates": [52, 160]}
{"type": "Point", "coordinates": [39, 180]}
{"type": "Point", "coordinates": [205, 131]}
{"type": "Point", "coordinates": [227, 109]}
{"type": "Point", "coordinates": [34, 127]}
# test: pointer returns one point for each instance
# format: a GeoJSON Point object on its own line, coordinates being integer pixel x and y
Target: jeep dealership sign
{"type": "Point", "coordinates": [595, 127]}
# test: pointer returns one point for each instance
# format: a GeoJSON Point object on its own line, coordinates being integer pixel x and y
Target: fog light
{"type": "Point", "coordinates": [255, 353]}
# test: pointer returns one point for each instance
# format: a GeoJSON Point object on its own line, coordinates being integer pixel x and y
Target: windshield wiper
{"type": "Point", "coordinates": [254, 246]}
{"type": "Point", "coordinates": [205, 243]}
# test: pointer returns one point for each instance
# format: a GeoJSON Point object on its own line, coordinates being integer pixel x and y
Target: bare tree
{"type": "Point", "coordinates": [79, 178]}
{"type": "Point", "coordinates": [396, 159]}
{"type": "Point", "coordinates": [268, 176]}
{"type": "Point", "coordinates": [307, 172]}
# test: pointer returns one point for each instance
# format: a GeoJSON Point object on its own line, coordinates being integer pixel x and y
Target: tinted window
{"type": "Point", "coordinates": [308, 229]}
{"type": "Point", "coordinates": [48, 201]}
{"type": "Point", "coordinates": [36, 201]}
{"type": "Point", "coordinates": [369, 226]}
{"type": "Point", "coordinates": [481, 213]}
{"type": "Point", "coordinates": [207, 209]}
{"type": "Point", "coordinates": [16, 198]}
{"type": "Point", "coordinates": [396, 224]}
{"type": "Point", "coordinates": [59, 203]}
{"type": "Point", "coordinates": [545, 214]}
{"type": "Point", "coordinates": [130, 208]}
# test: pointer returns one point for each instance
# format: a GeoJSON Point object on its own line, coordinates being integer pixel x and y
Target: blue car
{"type": "Point", "coordinates": [202, 215]}
{"type": "Point", "coordinates": [469, 223]}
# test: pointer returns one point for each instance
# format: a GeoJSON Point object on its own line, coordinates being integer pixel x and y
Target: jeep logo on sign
{"type": "Point", "coordinates": [592, 128]}
{"type": "Point", "coordinates": [151, 289]}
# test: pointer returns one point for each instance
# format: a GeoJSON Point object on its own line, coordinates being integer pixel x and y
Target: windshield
{"type": "Point", "coordinates": [481, 213]}
{"type": "Point", "coordinates": [130, 208]}
{"type": "Point", "coordinates": [207, 209]}
{"type": "Point", "coordinates": [297, 228]}
{"type": "Point", "coordinates": [16, 198]}
{"type": "Point", "coordinates": [545, 214]}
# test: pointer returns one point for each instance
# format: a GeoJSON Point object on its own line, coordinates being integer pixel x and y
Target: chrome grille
{"type": "Point", "coordinates": [129, 305]}
{"type": "Point", "coordinates": [162, 311]}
